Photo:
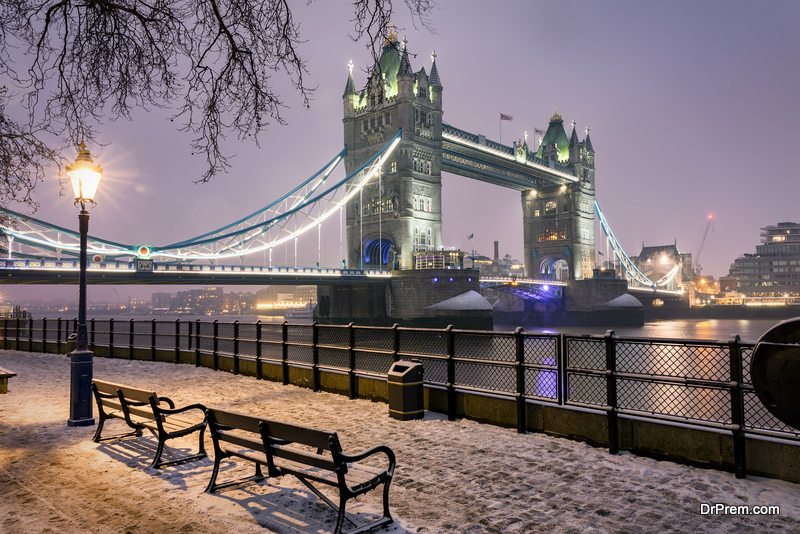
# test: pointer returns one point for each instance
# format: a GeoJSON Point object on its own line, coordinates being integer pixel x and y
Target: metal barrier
{"type": "Point", "coordinates": [699, 383]}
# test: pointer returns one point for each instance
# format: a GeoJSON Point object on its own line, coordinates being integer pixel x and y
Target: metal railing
{"type": "Point", "coordinates": [698, 383]}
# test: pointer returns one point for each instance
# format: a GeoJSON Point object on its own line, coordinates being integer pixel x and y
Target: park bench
{"type": "Point", "coordinates": [142, 409]}
{"type": "Point", "coordinates": [311, 455]}
{"type": "Point", "coordinates": [5, 374]}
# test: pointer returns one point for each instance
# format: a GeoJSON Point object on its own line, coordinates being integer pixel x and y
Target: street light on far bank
{"type": "Point", "coordinates": [85, 177]}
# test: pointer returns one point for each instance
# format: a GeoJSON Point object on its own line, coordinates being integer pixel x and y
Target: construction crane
{"type": "Point", "coordinates": [697, 268]}
{"type": "Point", "coordinates": [121, 306]}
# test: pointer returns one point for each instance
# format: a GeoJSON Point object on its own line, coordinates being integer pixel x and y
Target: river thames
{"type": "Point", "coordinates": [707, 329]}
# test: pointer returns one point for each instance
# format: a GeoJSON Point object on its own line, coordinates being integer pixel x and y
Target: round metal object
{"type": "Point", "coordinates": [775, 371]}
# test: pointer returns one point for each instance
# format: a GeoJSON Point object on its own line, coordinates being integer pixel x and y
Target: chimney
{"type": "Point", "coordinates": [497, 250]}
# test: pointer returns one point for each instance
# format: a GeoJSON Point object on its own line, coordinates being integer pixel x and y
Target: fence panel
{"type": "Point", "coordinates": [674, 359]}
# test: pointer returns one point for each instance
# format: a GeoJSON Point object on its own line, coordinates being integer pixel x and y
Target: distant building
{"type": "Point", "coordinates": [161, 302]}
{"type": "Point", "coordinates": [774, 270]}
{"type": "Point", "coordinates": [658, 261]}
{"type": "Point", "coordinates": [198, 301]}
{"type": "Point", "coordinates": [505, 266]}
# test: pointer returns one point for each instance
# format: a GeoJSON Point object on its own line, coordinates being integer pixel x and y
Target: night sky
{"type": "Point", "coordinates": [692, 106]}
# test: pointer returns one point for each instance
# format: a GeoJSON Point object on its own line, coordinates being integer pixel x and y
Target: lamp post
{"type": "Point", "coordinates": [85, 177]}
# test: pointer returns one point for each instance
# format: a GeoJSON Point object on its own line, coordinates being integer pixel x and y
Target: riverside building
{"type": "Point", "coordinates": [774, 270]}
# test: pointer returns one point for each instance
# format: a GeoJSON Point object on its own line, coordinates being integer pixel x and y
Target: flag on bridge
{"type": "Point", "coordinates": [470, 236]}
{"type": "Point", "coordinates": [538, 131]}
{"type": "Point", "coordinates": [504, 117]}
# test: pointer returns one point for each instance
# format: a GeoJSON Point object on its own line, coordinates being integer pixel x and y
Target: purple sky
{"type": "Point", "coordinates": [692, 107]}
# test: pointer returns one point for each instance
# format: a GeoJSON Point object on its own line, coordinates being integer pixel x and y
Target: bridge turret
{"type": "Point", "coordinates": [401, 213]}
{"type": "Point", "coordinates": [435, 83]}
{"type": "Point", "coordinates": [405, 76]}
{"type": "Point", "coordinates": [574, 147]}
{"type": "Point", "coordinates": [587, 144]}
{"type": "Point", "coordinates": [350, 96]}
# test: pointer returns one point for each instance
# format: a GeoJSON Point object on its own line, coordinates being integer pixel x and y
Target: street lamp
{"type": "Point", "coordinates": [85, 177]}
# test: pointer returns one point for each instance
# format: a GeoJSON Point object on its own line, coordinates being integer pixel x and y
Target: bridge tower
{"type": "Point", "coordinates": [402, 212]}
{"type": "Point", "coordinates": [558, 220]}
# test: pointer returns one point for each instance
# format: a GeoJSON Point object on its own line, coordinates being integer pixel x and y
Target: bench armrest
{"type": "Point", "coordinates": [168, 401]}
{"type": "Point", "coordinates": [375, 450]}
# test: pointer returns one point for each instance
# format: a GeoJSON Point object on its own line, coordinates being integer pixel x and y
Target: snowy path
{"type": "Point", "coordinates": [457, 476]}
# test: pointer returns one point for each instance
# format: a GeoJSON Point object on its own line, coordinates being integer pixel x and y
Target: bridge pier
{"type": "Point", "coordinates": [431, 298]}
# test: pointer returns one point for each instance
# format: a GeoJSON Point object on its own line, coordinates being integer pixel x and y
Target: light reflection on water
{"type": "Point", "coordinates": [708, 329]}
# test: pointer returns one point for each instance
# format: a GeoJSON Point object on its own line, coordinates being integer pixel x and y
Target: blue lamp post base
{"type": "Point", "coordinates": [80, 390]}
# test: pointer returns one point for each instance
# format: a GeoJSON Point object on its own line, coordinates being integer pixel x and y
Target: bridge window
{"type": "Point", "coordinates": [388, 119]}
{"type": "Point", "coordinates": [552, 234]}
{"type": "Point", "coordinates": [380, 120]}
{"type": "Point", "coordinates": [550, 208]}
{"type": "Point", "coordinates": [387, 205]}
{"type": "Point", "coordinates": [430, 239]}
{"type": "Point", "coordinates": [366, 125]}
{"type": "Point", "coordinates": [394, 163]}
{"type": "Point", "coordinates": [422, 92]}
{"type": "Point", "coordinates": [428, 208]}
{"type": "Point", "coordinates": [536, 213]}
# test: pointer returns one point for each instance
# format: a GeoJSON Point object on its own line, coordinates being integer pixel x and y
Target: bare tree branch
{"type": "Point", "coordinates": [209, 60]}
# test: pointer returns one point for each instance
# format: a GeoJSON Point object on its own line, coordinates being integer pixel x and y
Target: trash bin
{"type": "Point", "coordinates": [405, 390]}
{"type": "Point", "coordinates": [72, 342]}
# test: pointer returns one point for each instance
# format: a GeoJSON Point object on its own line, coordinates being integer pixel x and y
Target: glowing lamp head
{"type": "Point", "coordinates": [85, 176]}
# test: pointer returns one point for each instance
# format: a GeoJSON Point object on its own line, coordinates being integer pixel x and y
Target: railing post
{"type": "Point", "coordinates": [92, 334]}
{"type": "Point", "coordinates": [215, 354]}
{"type": "Point", "coordinates": [58, 335]}
{"type": "Point", "coordinates": [285, 352]}
{"type": "Point", "coordinates": [395, 342]}
{"type": "Point", "coordinates": [519, 339]}
{"type": "Point", "coordinates": [351, 360]}
{"type": "Point", "coordinates": [236, 347]}
{"type": "Point", "coordinates": [111, 338]}
{"type": "Point", "coordinates": [611, 392]}
{"type": "Point", "coordinates": [737, 407]}
{"type": "Point", "coordinates": [44, 334]}
{"type": "Point", "coordinates": [153, 340]}
{"type": "Point", "coordinates": [315, 355]}
{"type": "Point", "coordinates": [178, 341]}
{"type": "Point", "coordinates": [130, 341]}
{"type": "Point", "coordinates": [30, 334]}
{"type": "Point", "coordinates": [259, 371]}
{"type": "Point", "coordinates": [19, 325]}
{"type": "Point", "coordinates": [197, 344]}
{"type": "Point", "coordinates": [561, 369]}
{"type": "Point", "coordinates": [451, 372]}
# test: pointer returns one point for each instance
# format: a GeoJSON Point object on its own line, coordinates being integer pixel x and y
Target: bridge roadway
{"type": "Point", "coordinates": [147, 272]}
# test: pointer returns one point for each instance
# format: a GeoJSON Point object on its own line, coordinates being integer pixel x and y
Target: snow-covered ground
{"type": "Point", "coordinates": [458, 476]}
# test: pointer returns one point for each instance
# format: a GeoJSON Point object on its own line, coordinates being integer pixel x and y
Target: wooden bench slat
{"type": "Point", "coordinates": [319, 439]}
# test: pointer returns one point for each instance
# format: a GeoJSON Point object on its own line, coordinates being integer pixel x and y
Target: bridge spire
{"type": "Point", "coordinates": [588, 142]}
{"type": "Point", "coordinates": [350, 88]}
{"type": "Point", "coordinates": [405, 64]}
{"type": "Point", "coordinates": [434, 79]}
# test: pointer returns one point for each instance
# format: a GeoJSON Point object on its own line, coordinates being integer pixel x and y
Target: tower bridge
{"type": "Point", "coordinates": [387, 209]}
